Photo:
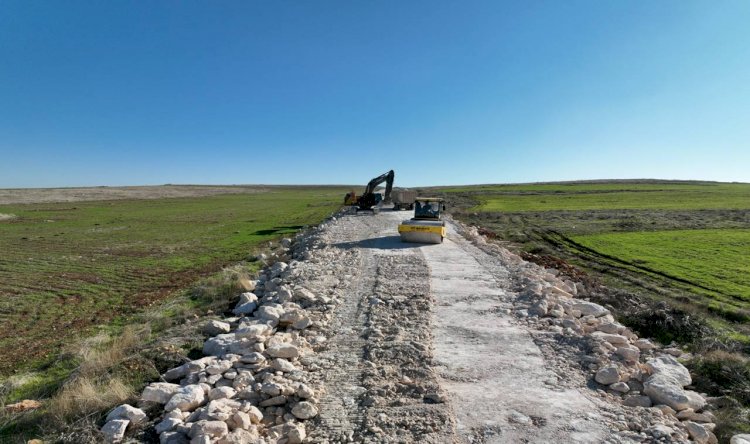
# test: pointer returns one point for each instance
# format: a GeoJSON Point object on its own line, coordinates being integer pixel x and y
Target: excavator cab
{"type": "Point", "coordinates": [350, 198]}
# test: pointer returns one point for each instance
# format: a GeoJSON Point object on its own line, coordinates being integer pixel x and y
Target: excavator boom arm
{"type": "Point", "coordinates": [387, 178]}
{"type": "Point", "coordinates": [369, 199]}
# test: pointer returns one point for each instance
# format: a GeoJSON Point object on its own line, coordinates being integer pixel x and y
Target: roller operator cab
{"type": "Point", "coordinates": [427, 225]}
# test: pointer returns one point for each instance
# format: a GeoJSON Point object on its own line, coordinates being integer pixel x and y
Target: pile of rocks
{"type": "Point", "coordinates": [252, 385]}
{"type": "Point", "coordinates": [635, 370]}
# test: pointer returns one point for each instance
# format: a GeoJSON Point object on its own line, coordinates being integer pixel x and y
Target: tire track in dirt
{"type": "Point", "coordinates": [380, 385]}
{"type": "Point", "coordinates": [340, 418]}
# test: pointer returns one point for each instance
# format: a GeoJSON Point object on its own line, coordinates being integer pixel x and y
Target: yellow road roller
{"type": "Point", "coordinates": [426, 226]}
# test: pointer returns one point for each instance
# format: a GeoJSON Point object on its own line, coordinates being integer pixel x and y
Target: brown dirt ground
{"type": "Point", "coordinates": [44, 195]}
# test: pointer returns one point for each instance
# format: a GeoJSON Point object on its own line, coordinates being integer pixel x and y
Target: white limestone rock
{"type": "Point", "coordinates": [304, 295]}
{"type": "Point", "coordinates": [699, 434]}
{"type": "Point", "coordinates": [304, 410]}
{"type": "Point", "coordinates": [167, 425]}
{"type": "Point", "coordinates": [219, 345]}
{"type": "Point", "coordinates": [211, 429]}
{"type": "Point", "coordinates": [695, 400]}
{"type": "Point", "coordinates": [628, 353]}
{"type": "Point", "coordinates": [214, 327]}
{"type": "Point", "coordinates": [304, 391]}
{"type": "Point", "coordinates": [187, 398]}
{"type": "Point", "coordinates": [644, 344]}
{"type": "Point", "coordinates": [539, 309]}
{"type": "Point", "coordinates": [664, 390]}
{"type": "Point", "coordinates": [247, 304]}
{"type": "Point", "coordinates": [590, 309]}
{"type": "Point", "coordinates": [160, 392]}
{"type": "Point", "coordinates": [607, 375]}
{"type": "Point", "coordinates": [286, 351]}
{"type": "Point", "coordinates": [221, 393]}
{"type": "Point", "coordinates": [253, 358]}
{"type": "Point", "coordinates": [245, 309]}
{"type": "Point", "coordinates": [277, 269]}
{"type": "Point", "coordinates": [668, 366]}
{"type": "Point", "coordinates": [742, 438]}
{"type": "Point", "coordinates": [276, 400]}
{"type": "Point", "coordinates": [637, 401]}
{"type": "Point", "coordinates": [660, 431]}
{"type": "Point", "coordinates": [620, 387]}
{"type": "Point", "coordinates": [219, 367]}
{"type": "Point", "coordinates": [134, 415]}
{"type": "Point", "coordinates": [255, 331]}
{"type": "Point", "coordinates": [256, 416]}
{"type": "Point", "coordinates": [610, 327]}
{"type": "Point", "coordinates": [297, 434]}
{"type": "Point", "coordinates": [271, 388]}
{"type": "Point", "coordinates": [240, 436]}
{"type": "Point", "coordinates": [612, 339]}
{"type": "Point", "coordinates": [173, 437]}
{"type": "Point", "coordinates": [269, 312]}
{"type": "Point", "coordinates": [283, 365]}
{"type": "Point", "coordinates": [114, 430]}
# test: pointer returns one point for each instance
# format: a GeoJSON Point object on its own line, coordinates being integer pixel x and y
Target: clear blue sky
{"type": "Point", "coordinates": [142, 92]}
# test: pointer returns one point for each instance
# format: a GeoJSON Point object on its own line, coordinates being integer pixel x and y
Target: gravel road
{"type": "Point", "coordinates": [492, 369]}
{"type": "Point", "coordinates": [350, 335]}
{"type": "Point", "coordinates": [425, 350]}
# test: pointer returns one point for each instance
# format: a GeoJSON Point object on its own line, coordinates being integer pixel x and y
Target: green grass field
{"type": "Point", "coordinates": [713, 260]}
{"type": "Point", "coordinates": [611, 196]}
{"type": "Point", "coordinates": [692, 239]}
{"type": "Point", "coordinates": [65, 267]}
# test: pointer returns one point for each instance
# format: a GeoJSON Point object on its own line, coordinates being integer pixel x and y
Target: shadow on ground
{"type": "Point", "coordinates": [381, 243]}
{"type": "Point", "coordinates": [279, 230]}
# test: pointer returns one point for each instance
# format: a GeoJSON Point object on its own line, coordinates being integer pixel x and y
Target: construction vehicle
{"type": "Point", "coordinates": [427, 225]}
{"type": "Point", "coordinates": [369, 199]}
{"type": "Point", "coordinates": [403, 199]}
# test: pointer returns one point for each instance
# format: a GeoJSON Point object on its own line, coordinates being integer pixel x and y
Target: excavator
{"type": "Point", "coordinates": [369, 198]}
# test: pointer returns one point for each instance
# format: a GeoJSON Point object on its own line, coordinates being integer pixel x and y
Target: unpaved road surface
{"type": "Point", "coordinates": [362, 338]}
{"type": "Point", "coordinates": [425, 350]}
{"type": "Point", "coordinates": [490, 366]}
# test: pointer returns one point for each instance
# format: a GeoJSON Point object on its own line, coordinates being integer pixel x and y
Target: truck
{"type": "Point", "coordinates": [403, 199]}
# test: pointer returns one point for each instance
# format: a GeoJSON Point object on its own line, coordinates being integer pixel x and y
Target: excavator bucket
{"type": "Point", "coordinates": [422, 231]}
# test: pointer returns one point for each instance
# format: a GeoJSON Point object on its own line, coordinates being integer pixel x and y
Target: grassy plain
{"type": "Point", "coordinates": [713, 260]}
{"type": "Point", "coordinates": [711, 264]}
{"type": "Point", "coordinates": [609, 196]}
{"type": "Point", "coordinates": [65, 267]}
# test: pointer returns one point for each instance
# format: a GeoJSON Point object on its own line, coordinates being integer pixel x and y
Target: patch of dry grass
{"type": "Point", "coordinates": [216, 290]}
{"type": "Point", "coordinates": [100, 382]}
{"type": "Point", "coordinates": [95, 386]}
{"type": "Point", "coordinates": [85, 396]}
{"type": "Point", "coordinates": [723, 372]}
{"type": "Point", "coordinates": [99, 359]}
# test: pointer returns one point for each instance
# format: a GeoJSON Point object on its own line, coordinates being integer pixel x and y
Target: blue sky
{"type": "Point", "coordinates": [126, 93]}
